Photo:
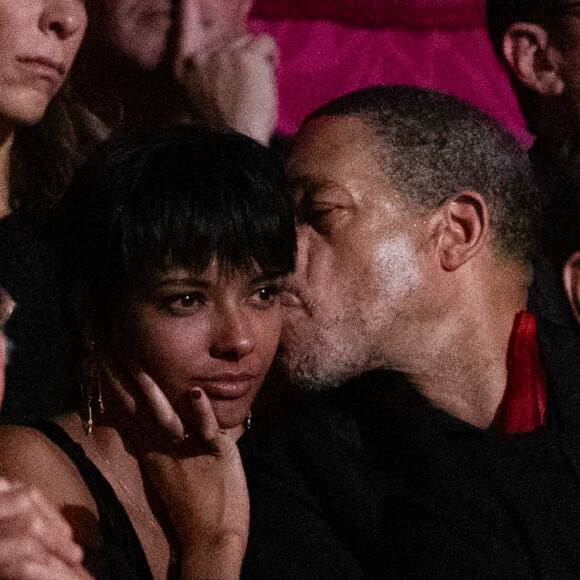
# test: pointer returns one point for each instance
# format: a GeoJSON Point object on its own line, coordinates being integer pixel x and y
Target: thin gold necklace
{"type": "Point", "coordinates": [153, 523]}
{"type": "Point", "coordinates": [173, 557]}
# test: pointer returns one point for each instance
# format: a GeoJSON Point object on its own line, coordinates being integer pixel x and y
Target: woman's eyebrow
{"type": "Point", "coordinates": [266, 277]}
{"type": "Point", "coordinates": [186, 281]}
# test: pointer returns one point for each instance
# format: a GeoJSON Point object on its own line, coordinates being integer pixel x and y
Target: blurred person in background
{"type": "Point", "coordinates": [538, 41]}
{"type": "Point", "coordinates": [184, 60]}
{"type": "Point", "coordinates": [44, 136]}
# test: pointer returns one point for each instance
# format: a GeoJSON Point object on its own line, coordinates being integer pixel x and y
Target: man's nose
{"type": "Point", "coordinates": [234, 336]}
{"type": "Point", "coordinates": [65, 18]}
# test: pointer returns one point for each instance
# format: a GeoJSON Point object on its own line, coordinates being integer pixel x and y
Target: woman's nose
{"type": "Point", "coordinates": [65, 18]}
{"type": "Point", "coordinates": [234, 337]}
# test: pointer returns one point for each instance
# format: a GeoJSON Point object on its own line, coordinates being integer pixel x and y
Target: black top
{"type": "Point", "coordinates": [28, 272]}
{"type": "Point", "coordinates": [121, 555]}
{"type": "Point", "coordinates": [371, 481]}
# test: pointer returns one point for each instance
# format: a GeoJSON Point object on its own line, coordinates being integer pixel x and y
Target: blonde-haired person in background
{"type": "Point", "coordinates": [44, 136]}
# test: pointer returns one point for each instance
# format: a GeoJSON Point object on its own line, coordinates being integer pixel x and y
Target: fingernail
{"type": "Point", "coordinates": [196, 393]}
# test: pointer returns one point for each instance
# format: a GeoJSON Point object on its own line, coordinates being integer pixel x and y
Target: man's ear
{"type": "Point", "coordinates": [571, 277]}
{"type": "Point", "coordinates": [461, 229]}
{"type": "Point", "coordinates": [533, 60]}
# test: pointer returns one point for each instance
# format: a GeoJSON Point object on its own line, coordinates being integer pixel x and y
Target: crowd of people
{"type": "Point", "coordinates": [395, 295]}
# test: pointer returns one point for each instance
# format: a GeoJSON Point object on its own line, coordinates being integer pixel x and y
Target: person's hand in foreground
{"type": "Point", "coordinates": [235, 85]}
{"type": "Point", "coordinates": [36, 543]}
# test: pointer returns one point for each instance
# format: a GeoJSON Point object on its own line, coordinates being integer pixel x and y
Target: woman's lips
{"type": "Point", "coordinates": [45, 65]}
{"type": "Point", "coordinates": [43, 70]}
{"type": "Point", "coordinates": [227, 386]}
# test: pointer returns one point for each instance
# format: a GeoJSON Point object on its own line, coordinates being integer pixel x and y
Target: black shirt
{"type": "Point", "coordinates": [28, 272]}
{"type": "Point", "coordinates": [371, 481]}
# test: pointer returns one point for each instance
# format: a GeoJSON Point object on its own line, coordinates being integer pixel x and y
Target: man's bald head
{"type": "Point", "coordinates": [412, 207]}
{"type": "Point", "coordinates": [432, 146]}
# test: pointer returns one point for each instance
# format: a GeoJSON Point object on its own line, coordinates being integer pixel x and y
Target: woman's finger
{"type": "Point", "coordinates": [140, 395]}
{"type": "Point", "coordinates": [207, 425]}
{"type": "Point", "coordinates": [157, 405]}
{"type": "Point", "coordinates": [266, 47]}
{"type": "Point", "coordinates": [126, 399]}
{"type": "Point", "coordinates": [59, 539]}
{"type": "Point", "coordinates": [31, 569]}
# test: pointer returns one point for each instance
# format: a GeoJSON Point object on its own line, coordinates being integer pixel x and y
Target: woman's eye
{"type": "Point", "coordinates": [183, 303]}
{"type": "Point", "coordinates": [265, 296]}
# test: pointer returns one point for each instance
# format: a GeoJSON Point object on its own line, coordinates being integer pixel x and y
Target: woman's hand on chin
{"type": "Point", "coordinates": [198, 474]}
{"type": "Point", "coordinates": [203, 487]}
{"type": "Point", "coordinates": [143, 400]}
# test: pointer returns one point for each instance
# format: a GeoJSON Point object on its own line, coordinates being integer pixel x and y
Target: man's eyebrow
{"type": "Point", "coordinates": [307, 186]}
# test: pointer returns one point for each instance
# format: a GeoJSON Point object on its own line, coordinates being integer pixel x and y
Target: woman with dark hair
{"type": "Point", "coordinates": [44, 136]}
{"type": "Point", "coordinates": [174, 244]}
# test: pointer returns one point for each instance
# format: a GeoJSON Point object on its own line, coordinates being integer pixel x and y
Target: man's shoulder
{"type": "Point", "coordinates": [559, 347]}
{"type": "Point", "coordinates": [316, 492]}
{"type": "Point", "coordinates": [357, 435]}
{"type": "Point", "coordinates": [333, 415]}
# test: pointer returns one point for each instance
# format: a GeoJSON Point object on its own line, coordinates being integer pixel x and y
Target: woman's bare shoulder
{"type": "Point", "coordinates": [29, 456]}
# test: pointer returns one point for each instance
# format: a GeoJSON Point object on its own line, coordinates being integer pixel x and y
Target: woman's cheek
{"type": "Point", "coordinates": [171, 352]}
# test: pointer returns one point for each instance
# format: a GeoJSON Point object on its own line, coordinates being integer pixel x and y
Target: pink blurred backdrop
{"type": "Point", "coordinates": [330, 47]}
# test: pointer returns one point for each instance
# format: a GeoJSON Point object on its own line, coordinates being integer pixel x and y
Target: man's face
{"type": "Point", "coordinates": [360, 267]}
{"type": "Point", "coordinates": [145, 30]}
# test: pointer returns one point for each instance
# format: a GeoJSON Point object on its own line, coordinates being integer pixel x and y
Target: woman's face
{"type": "Point", "coordinates": [39, 40]}
{"type": "Point", "coordinates": [215, 331]}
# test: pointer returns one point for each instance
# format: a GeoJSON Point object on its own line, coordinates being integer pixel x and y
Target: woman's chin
{"type": "Point", "coordinates": [29, 111]}
{"type": "Point", "coordinates": [230, 414]}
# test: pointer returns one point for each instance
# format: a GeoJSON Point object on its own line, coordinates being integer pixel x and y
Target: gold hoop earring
{"type": "Point", "coordinates": [91, 387]}
{"type": "Point", "coordinates": [248, 421]}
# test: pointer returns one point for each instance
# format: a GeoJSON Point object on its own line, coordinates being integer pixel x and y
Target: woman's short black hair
{"type": "Point", "coordinates": [155, 198]}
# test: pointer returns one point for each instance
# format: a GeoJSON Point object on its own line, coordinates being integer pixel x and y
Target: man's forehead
{"type": "Point", "coordinates": [330, 147]}
{"type": "Point", "coordinates": [338, 158]}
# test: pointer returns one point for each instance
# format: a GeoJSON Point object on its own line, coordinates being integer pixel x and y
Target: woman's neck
{"type": "Point", "coordinates": [6, 142]}
{"type": "Point", "coordinates": [107, 449]}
